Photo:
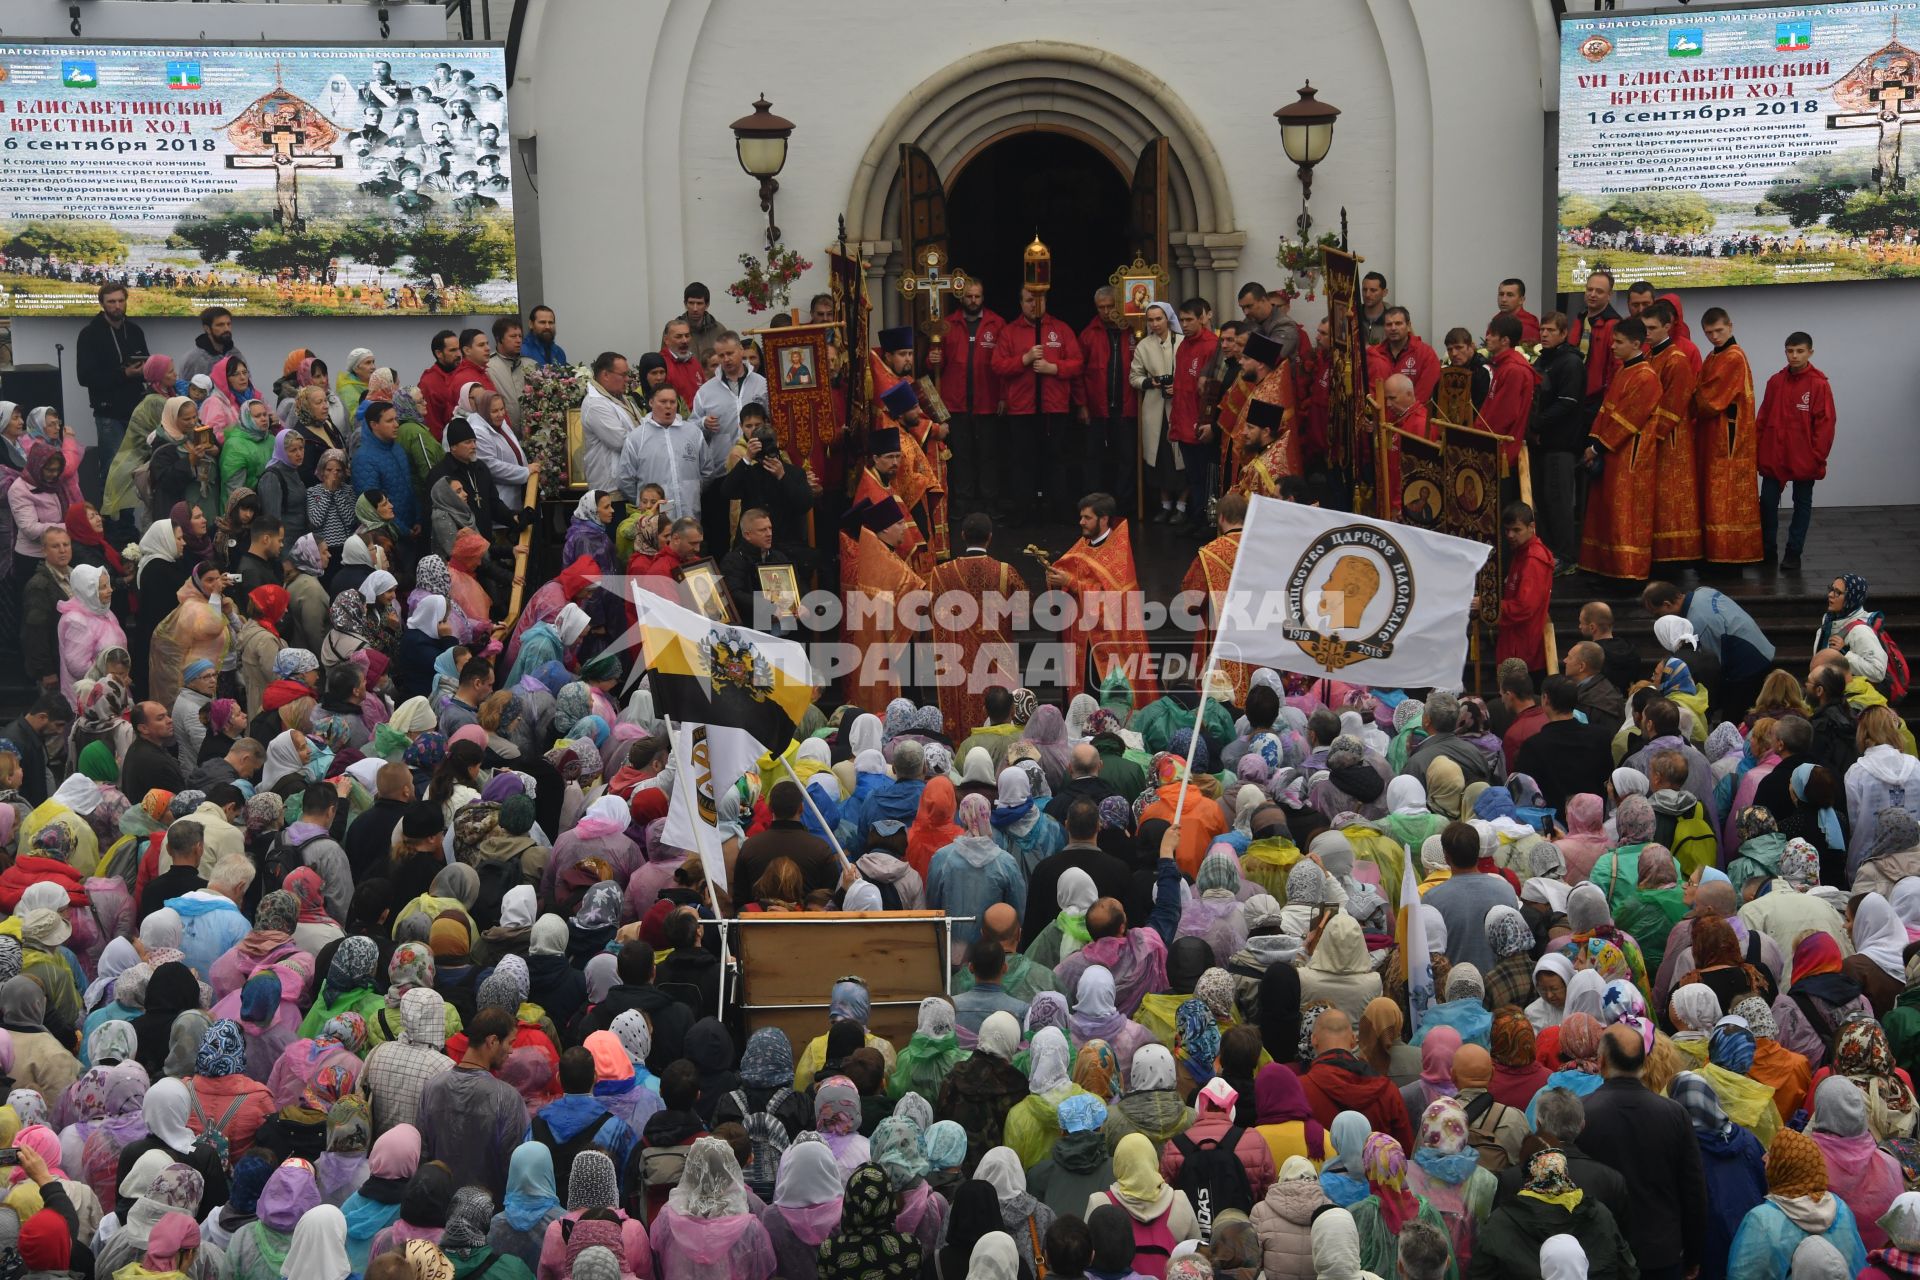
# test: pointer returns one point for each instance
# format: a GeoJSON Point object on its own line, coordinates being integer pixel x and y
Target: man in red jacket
{"type": "Point", "coordinates": [1512, 301]}
{"type": "Point", "coordinates": [1104, 402]}
{"type": "Point", "coordinates": [1509, 402]}
{"type": "Point", "coordinates": [977, 434]}
{"type": "Point", "coordinates": [438, 384]}
{"type": "Point", "coordinates": [1338, 1081]}
{"type": "Point", "coordinates": [1525, 595]}
{"type": "Point", "coordinates": [1406, 352]}
{"type": "Point", "coordinates": [685, 370]}
{"type": "Point", "coordinates": [1037, 361]}
{"type": "Point", "coordinates": [475, 351]}
{"type": "Point", "coordinates": [1796, 435]}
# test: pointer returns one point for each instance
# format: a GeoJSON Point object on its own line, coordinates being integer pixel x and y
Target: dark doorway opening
{"type": "Point", "coordinates": [1053, 183]}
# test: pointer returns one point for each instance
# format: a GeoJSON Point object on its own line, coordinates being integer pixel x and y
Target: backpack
{"type": "Point", "coordinates": [1149, 1238]}
{"type": "Point", "coordinates": [1213, 1177]}
{"type": "Point", "coordinates": [1480, 1136]}
{"type": "Point", "coordinates": [1899, 678]}
{"type": "Point", "coordinates": [564, 1152]}
{"type": "Point", "coordinates": [284, 859]}
{"type": "Point", "coordinates": [660, 1170]}
{"type": "Point", "coordinates": [497, 875]}
{"type": "Point", "coordinates": [215, 1135]}
{"type": "Point", "coordinates": [769, 1137]}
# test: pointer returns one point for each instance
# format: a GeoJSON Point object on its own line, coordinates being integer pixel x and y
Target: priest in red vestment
{"type": "Point", "coordinates": [1676, 503]}
{"type": "Point", "coordinates": [1212, 571]}
{"type": "Point", "coordinates": [1108, 635]}
{"type": "Point", "coordinates": [876, 483]}
{"type": "Point", "coordinates": [1406, 352]}
{"type": "Point", "coordinates": [971, 595]}
{"type": "Point", "coordinates": [1617, 541]}
{"type": "Point", "coordinates": [920, 481]}
{"type": "Point", "coordinates": [874, 593]}
{"type": "Point", "coordinates": [1725, 439]}
{"type": "Point", "coordinates": [1263, 450]}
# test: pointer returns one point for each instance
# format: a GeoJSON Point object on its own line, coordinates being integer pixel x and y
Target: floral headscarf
{"type": "Point", "coordinates": [836, 1107]}
{"type": "Point", "coordinates": [223, 1050]}
{"type": "Point", "coordinates": [1861, 1054]}
{"type": "Point", "coordinates": [1199, 1036]}
{"type": "Point", "coordinates": [1547, 1174]}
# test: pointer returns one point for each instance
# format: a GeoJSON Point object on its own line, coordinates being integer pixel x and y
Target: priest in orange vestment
{"type": "Point", "coordinates": [1211, 572]}
{"type": "Point", "coordinates": [1676, 502]}
{"type": "Point", "coordinates": [919, 482]}
{"type": "Point", "coordinates": [876, 482]}
{"type": "Point", "coordinates": [874, 595]}
{"type": "Point", "coordinates": [971, 595]}
{"type": "Point", "coordinates": [1617, 541]}
{"type": "Point", "coordinates": [1728, 445]}
{"type": "Point", "coordinates": [1108, 635]}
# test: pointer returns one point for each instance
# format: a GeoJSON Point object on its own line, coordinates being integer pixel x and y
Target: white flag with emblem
{"type": "Point", "coordinates": [1327, 593]}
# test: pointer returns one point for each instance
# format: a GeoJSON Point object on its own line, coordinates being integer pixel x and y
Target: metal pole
{"type": "Point", "coordinates": [1199, 718]}
{"type": "Point", "coordinates": [683, 778]}
{"type": "Point", "coordinates": [814, 809]}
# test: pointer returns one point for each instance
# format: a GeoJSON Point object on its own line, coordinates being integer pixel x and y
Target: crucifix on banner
{"type": "Point", "coordinates": [932, 283]}
{"type": "Point", "coordinates": [1896, 105]}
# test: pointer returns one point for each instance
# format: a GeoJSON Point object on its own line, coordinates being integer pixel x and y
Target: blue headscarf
{"type": "Point", "coordinates": [260, 997]}
{"type": "Point", "coordinates": [1731, 1047]}
{"type": "Point", "coordinates": [1829, 820]}
{"type": "Point", "coordinates": [1676, 677]}
{"type": "Point", "coordinates": [594, 727]}
{"type": "Point", "coordinates": [1853, 598]}
{"type": "Point", "coordinates": [531, 1191]}
{"type": "Point", "coordinates": [1199, 1037]}
{"type": "Point", "coordinates": [850, 1000]}
{"type": "Point", "coordinates": [250, 1174]}
{"type": "Point", "coordinates": [946, 1145]}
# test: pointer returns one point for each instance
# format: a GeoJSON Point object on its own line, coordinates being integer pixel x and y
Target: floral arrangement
{"type": "Point", "coordinates": [1301, 261]}
{"type": "Point", "coordinates": [548, 396]}
{"type": "Point", "coordinates": [766, 286]}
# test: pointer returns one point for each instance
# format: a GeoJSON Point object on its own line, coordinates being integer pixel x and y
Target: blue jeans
{"type": "Point", "coordinates": [1770, 491]}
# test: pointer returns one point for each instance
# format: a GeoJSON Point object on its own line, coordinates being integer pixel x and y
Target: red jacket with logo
{"type": "Point", "coordinates": [962, 354]}
{"type": "Point", "coordinates": [1796, 425]}
{"type": "Point", "coordinates": [1090, 392]}
{"type": "Point", "coordinates": [1016, 379]}
{"type": "Point", "coordinates": [1510, 402]}
{"type": "Point", "coordinates": [1191, 360]}
{"type": "Point", "coordinates": [1417, 360]}
{"type": "Point", "coordinates": [1524, 599]}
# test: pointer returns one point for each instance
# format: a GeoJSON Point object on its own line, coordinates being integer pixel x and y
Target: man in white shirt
{"type": "Point", "coordinates": [606, 420]}
{"type": "Point", "coordinates": [664, 450]}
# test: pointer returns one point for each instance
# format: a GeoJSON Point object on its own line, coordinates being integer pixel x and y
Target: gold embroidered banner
{"type": "Point", "coordinates": [1474, 468]}
{"type": "Point", "coordinates": [1351, 437]}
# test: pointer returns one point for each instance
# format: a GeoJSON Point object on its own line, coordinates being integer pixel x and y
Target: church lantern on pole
{"type": "Point", "coordinates": [1037, 267]}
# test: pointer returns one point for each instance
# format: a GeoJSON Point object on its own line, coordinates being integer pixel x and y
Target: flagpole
{"type": "Point", "coordinates": [814, 809]}
{"type": "Point", "coordinates": [683, 778]}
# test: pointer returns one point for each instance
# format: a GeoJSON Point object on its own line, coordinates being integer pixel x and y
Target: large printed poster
{"type": "Point", "coordinates": [1751, 146]}
{"type": "Point", "coordinates": [272, 180]}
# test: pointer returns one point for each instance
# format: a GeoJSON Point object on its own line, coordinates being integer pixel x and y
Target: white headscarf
{"type": "Point", "coordinates": [85, 579]}
{"type": "Point", "coordinates": [994, 1258]}
{"type": "Point", "coordinates": [570, 623]}
{"type": "Point", "coordinates": [1000, 1168]}
{"type": "Point", "coordinates": [1436, 928]}
{"type": "Point", "coordinates": [1879, 936]}
{"type": "Point", "coordinates": [978, 767]}
{"type": "Point", "coordinates": [1173, 317]}
{"type": "Point", "coordinates": [1583, 996]}
{"type": "Point", "coordinates": [165, 1111]}
{"type": "Point", "coordinates": [808, 1175]}
{"type": "Point", "coordinates": [1000, 1036]}
{"type": "Point", "coordinates": [865, 733]}
{"type": "Point", "coordinates": [354, 551]}
{"type": "Point", "coordinates": [1152, 1069]}
{"type": "Point", "coordinates": [588, 508]}
{"type": "Point", "coordinates": [1013, 788]}
{"type": "Point", "coordinates": [1672, 631]}
{"type": "Point", "coordinates": [319, 1248]}
{"type": "Point", "coordinates": [863, 895]}
{"type": "Point", "coordinates": [1052, 1059]}
{"type": "Point", "coordinates": [1079, 711]}
{"type": "Point", "coordinates": [1406, 796]}
{"type": "Point", "coordinates": [1562, 1258]}
{"type": "Point", "coordinates": [78, 793]}
{"type": "Point", "coordinates": [1076, 891]}
{"type": "Point", "coordinates": [1093, 999]}
{"type": "Point", "coordinates": [1629, 782]}
{"type": "Point", "coordinates": [427, 616]}
{"type": "Point", "coordinates": [282, 759]}
{"type": "Point", "coordinates": [378, 583]}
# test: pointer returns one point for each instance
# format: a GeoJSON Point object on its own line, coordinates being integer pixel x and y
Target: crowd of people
{"type": "Point", "coordinates": [346, 938]}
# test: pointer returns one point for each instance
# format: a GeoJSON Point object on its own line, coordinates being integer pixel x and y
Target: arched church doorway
{"type": "Point", "coordinates": [1052, 182]}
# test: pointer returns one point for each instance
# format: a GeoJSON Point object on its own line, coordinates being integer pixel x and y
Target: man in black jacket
{"type": "Point", "coordinates": [1648, 1140]}
{"type": "Point", "coordinates": [49, 715]}
{"type": "Point", "coordinates": [1560, 432]}
{"type": "Point", "coordinates": [107, 359]}
{"type": "Point", "coordinates": [766, 478]}
{"type": "Point", "coordinates": [1083, 783]}
{"type": "Point", "coordinates": [260, 565]}
{"type": "Point", "coordinates": [1112, 878]}
{"type": "Point", "coordinates": [151, 760]}
{"type": "Point", "coordinates": [1795, 738]}
{"type": "Point", "coordinates": [1564, 756]}
{"type": "Point", "coordinates": [741, 569]}
{"type": "Point", "coordinates": [40, 609]}
{"type": "Point", "coordinates": [690, 970]}
{"type": "Point", "coordinates": [463, 464]}
{"type": "Point", "coordinates": [786, 836]}
{"type": "Point", "coordinates": [669, 1017]}
{"type": "Point", "coordinates": [370, 839]}
{"type": "Point", "coordinates": [1833, 725]}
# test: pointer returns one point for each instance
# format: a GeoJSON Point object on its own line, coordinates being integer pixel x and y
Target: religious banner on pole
{"type": "Point", "coordinates": [1423, 479]}
{"type": "Point", "coordinates": [1453, 396]}
{"type": "Point", "coordinates": [799, 393]}
{"type": "Point", "coordinates": [1350, 433]}
{"type": "Point", "coordinates": [848, 283]}
{"type": "Point", "coordinates": [1475, 466]}
{"type": "Point", "coordinates": [1323, 592]}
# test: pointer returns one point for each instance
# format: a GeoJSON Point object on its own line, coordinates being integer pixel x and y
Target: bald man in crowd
{"type": "Point", "coordinates": [1339, 1081]}
{"type": "Point", "coordinates": [1594, 694]}
{"type": "Point", "coordinates": [1022, 978]}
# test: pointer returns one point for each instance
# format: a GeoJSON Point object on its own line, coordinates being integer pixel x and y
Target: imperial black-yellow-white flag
{"type": "Point", "coordinates": [1327, 593]}
{"type": "Point", "coordinates": [732, 694]}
